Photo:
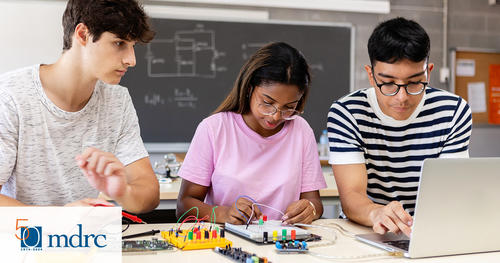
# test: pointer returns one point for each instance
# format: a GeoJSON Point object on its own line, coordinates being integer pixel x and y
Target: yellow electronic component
{"type": "Point", "coordinates": [200, 239]}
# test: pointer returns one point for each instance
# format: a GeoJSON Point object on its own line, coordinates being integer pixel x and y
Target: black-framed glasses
{"type": "Point", "coordinates": [391, 88]}
{"type": "Point", "coordinates": [269, 110]}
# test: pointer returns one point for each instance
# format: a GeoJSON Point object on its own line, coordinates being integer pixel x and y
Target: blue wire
{"type": "Point", "coordinates": [247, 197]}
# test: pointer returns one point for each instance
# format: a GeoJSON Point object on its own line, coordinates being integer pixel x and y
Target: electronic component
{"type": "Point", "coordinates": [268, 232]}
{"type": "Point", "coordinates": [148, 233]}
{"type": "Point", "coordinates": [126, 215]}
{"type": "Point", "coordinates": [238, 255]}
{"type": "Point", "coordinates": [152, 245]}
{"type": "Point", "coordinates": [133, 218]}
{"type": "Point", "coordinates": [292, 247]}
{"type": "Point", "coordinates": [197, 238]}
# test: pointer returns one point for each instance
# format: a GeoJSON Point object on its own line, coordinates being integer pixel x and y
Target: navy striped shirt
{"type": "Point", "coordinates": [393, 151]}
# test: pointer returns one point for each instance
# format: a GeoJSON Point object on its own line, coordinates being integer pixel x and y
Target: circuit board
{"type": "Point", "coordinates": [291, 247]}
{"type": "Point", "coordinates": [268, 232]}
{"type": "Point", "coordinates": [196, 238]}
{"type": "Point", "coordinates": [238, 255]}
{"type": "Point", "coordinates": [153, 245]}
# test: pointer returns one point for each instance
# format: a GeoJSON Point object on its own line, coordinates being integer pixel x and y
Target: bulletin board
{"type": "Point", "coordinates": [476, 78]}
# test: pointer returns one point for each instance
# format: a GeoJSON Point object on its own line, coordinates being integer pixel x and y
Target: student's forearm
{"type": "Point", "coordinates": [140, 198]}
{"type": "Point", "coordinates": [7, 201]}
{"type": "Point", "coordinates": [357, 207]}
{"type": "Point", "coordinates": [187, 203]}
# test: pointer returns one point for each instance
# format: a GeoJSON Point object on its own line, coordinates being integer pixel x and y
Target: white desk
{"type": "Point", "coordinates": [345, 246]}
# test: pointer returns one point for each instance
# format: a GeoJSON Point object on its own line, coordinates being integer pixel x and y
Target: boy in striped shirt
{"type": "Point", "coordinates": [380, 136]}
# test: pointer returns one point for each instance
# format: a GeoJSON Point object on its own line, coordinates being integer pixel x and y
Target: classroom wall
{"type": "Point", "coordinates": [30, 33]}
{"type": "Point", "coordinates": [474, 23]}
{"type": "Point", "coordinates": [471, 23]}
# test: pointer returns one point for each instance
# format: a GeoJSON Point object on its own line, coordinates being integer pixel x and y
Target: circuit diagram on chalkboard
{"type": "Point", "coordinates": [192, 64]}
{"type": "Point", "coordinates": [182, 97]}
{"type": "Point", "coordinates": [190, 53]}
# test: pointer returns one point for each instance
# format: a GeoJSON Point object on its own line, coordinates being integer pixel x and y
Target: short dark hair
{"type": "Point", "coordinates": [397, 39]}
{"type": "Point", "coordinates": [276, 62]}
{"type": "Point", "coordinates": [124, 18]}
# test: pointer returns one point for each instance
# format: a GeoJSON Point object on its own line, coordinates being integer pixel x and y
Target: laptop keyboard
{"type": "Point", "coordinates": [403, 244]}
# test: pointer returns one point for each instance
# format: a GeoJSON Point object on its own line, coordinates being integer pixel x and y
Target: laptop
{"type": "Point", "coordinates": [457, 210]}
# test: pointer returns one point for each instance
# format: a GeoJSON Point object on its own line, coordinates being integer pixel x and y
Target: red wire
{"type": "Point", "coordinates": [193, 218]}
{"type": "Point", "coordinates": [189, 218]}
{"type": "Point", "coordinates": [126, 215]}
{"type": "Point", "coordinates": [199, 220]}
{"type": "Point", "coordinates": [132, 217]}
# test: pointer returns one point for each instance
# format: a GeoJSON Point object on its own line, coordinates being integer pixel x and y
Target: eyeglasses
{"type": "Point", "coordinates": [269, 110]}
{"type": "Point", "coordinates": [391, 88]}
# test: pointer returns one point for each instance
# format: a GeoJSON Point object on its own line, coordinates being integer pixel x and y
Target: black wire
{"type": "Point", "coordinates": [128, 225]}
{"type": "Point", "coordinates": [125, 221]}
{"type": "Point", "coordinates": [147, 233]}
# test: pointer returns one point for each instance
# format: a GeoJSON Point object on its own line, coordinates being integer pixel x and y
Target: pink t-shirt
{"type": "Point", "coordinates": [232, 159]}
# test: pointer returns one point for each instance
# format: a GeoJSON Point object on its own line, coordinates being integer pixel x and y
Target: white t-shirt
{"type": "Point", "coordinates": [39, 141]}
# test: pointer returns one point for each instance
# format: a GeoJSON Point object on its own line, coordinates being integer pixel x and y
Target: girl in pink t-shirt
{"type": "Point", "coordinates": [256, 144]}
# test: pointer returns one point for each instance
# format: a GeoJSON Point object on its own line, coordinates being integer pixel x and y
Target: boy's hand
{"type": "Point", "coordinates": [104, 172]}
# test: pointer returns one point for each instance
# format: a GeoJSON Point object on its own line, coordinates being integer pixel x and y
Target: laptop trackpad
{"type": "Point", "coordinates": [389, 241]}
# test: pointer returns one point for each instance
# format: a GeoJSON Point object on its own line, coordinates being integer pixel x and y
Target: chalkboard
{"type": "Point", "coordinates": [191, 65]}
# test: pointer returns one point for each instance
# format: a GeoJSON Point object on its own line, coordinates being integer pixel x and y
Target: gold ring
{"type": "Point", "coordinates": [314, 207]}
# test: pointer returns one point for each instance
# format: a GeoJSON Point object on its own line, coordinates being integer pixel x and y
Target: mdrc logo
{"type": "Point", "coordinates": [77, 240]}
{"type": "Point", "coordinates": [31, 237]}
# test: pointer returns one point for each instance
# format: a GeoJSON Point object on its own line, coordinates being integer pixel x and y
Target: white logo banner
{"type": "Point", "coordinates": [61, 234]}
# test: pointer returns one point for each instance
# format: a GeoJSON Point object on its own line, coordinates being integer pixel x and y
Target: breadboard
{"type": "Point", "coordinates": [257, 233]}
